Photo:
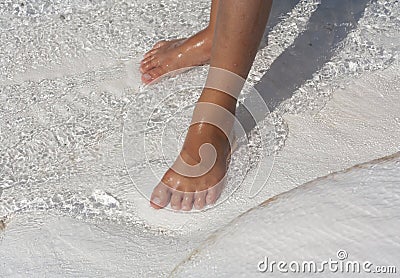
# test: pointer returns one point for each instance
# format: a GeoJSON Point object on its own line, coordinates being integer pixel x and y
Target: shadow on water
{"type": "Point", "coordinates": [279, 9]}
{"type": "Point", "coordinates": [327, 27]}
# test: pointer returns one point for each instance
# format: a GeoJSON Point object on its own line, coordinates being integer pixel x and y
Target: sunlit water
{"type": "Point", "coordinates": [67, 93]}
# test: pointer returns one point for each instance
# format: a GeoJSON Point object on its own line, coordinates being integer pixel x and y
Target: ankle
{"type": "Point", "coordinates": [206, 35]}
{"type": "Point", "coordinates": [203, 133]}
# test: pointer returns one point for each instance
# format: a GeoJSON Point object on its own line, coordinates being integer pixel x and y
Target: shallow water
{"type": "Point", "coordinates": [66, 87]}
{"type": "Point", "coordinates": [70, 93]}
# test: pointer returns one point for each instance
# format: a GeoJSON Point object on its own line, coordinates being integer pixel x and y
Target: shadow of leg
{"type": "Point", "coordinates": [327, 27]}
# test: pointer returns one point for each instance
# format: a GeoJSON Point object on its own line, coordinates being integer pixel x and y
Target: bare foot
{"type": "Point", "coordinates": [185, 191]}
{"type": "Point", "coordinates": [167, 56]}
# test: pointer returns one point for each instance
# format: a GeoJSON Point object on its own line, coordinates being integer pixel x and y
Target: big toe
{"type": "Point", "coordinates": [160, 196]}
{"type": "Point", "coordinates": [152, 75]}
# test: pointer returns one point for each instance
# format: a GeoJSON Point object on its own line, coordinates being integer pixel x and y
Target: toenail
{"type": "Point", "coordinates": [147, 76]}
{"type": "Point", "coordinates": [156, 200]}
{"type": "Point", "coordinates": [175, 207]}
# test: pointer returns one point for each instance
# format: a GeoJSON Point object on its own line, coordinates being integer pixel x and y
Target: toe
{"type": "Point", "coordinates": [146, 60]}
{"type": "Point", "coordinates": [148, 64]}
{"type": "Point", "coordinates": [159, 44]}
{"type": "Point", "coordinates": [152, 51]}
{"type": "Point", "coordinates": [187, 201]}
{"type": "Point", "coordinates": [160, 196]}
{"type": "Point", "coordinates": [152, 75]}
{"type": "Point", "coordinates": [200, 199]}
{"type": "Point", "coordinates": [176, 200]}
{"type": "Point", "coordinates": [211, 196]}
{"type": "Point", "coordinates": [213, 193]}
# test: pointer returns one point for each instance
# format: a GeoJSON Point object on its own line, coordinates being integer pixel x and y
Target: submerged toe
{"type": "Point", "coordinates": [160, 196]}
{"type": "Point", "coordinates": [200, 199]}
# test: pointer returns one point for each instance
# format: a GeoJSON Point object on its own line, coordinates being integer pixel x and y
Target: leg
{"type": "Point", "coordinates": [238, 31]}
{"type": "Point", "coordinates": [168, 56]}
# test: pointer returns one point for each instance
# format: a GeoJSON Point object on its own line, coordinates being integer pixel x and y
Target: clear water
{"type": "Point", "coordinates": [67, 91]}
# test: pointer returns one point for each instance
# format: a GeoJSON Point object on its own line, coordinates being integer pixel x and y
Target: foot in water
{"type": "Point", "coordinates": [167, 56]}
{"type": "Point", "coordinates": [185, 191]}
